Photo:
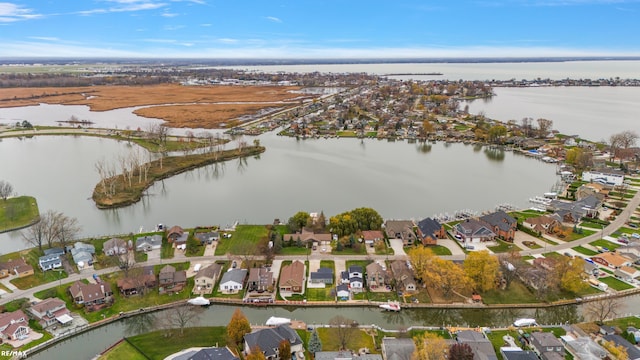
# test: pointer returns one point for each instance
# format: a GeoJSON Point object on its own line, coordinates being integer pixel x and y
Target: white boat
{"type": "Point", "coordinates": [391, 306]}
{"type": "Point", "coordinates": [524, 322]}
{"type": "Point", "coordinates": [199, 301]}
{"type": "Point", "coordinates": [275, 321]}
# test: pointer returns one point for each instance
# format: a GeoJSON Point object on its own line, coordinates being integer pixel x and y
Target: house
{"type": "Point", "coordinates": [92, 296]}
{"type": "Point", "coordinates": [473, 231]}
{"type": "Point", "coordinates": [430, 230]}
{"type": "Point", "coordinates": [403, 276]}
{"type": "Point", "coordinates": [308, 237]}
{"type": "Point", "coordinates": [17, 267]}
{"type": "Point", "coordinates": [626, 273]}
{"type": "Point", "coordinates": [545, 344]}
{"type": "Point", "coordinates": [371, 237]}
{"type": "Point", "coordinates": [292, 278]}
{"type": "Point", "coordinates": [14, 325]}
{"type": "Point", "coordinates": [398, 348]}
{"type": "Point", "coordinates": [212, 353]}
{"type": "Point", "coordinates": [50, 311]}
{"type": "Point", "coordinates": [480, 345]}
{"type": "Point", "coordinates": [376, 276]}
{"type": "Point", "coordinates": [400, 229]}
{"type": "Point", "coordinates": [232, 281]}
{"type": "Point", "coordinates": [83, 253]}
{"type": "Point", "coordinates": [545, 224]}
{"type": "Point", "coordinates": [612, 260]}
{"type": "Point", "coordinates": [206, 279]}
{"type": "Point", "coordinates": [170, 280]}
{"type": "Point", "coordinates": [207, 237]}
{"type": "Point", "coordinates": [573, 212]}
{"type": "Point", "coordinates": [137, 281]}
{"type": "Point", "coordinates": [342, 292]}
{"type": "Point", "coordinates": [584, 348]}
{"type": "Point", "coordinates": [260, 279]}
{"type": "Point", "coordinates": [114, 246]}
{"type": "Point", "coordinates": [517, 354]}
{"type": "Point", "coordinates": [49, 262]}
{"type": "Point", "coordinates": [633, 352]}
{"type": "Point", "coordinates": [54, 251]}
{"type": "Point", "coordinates": [148, 243]}
{"type": "Point", "coordinates": [177, 235]}
{"type": "Point", "coordinates": [322, 276]}
{"type": "Point", "coordinates": [609, 178]}
{"type": "Point", "coordinates": [502, 224]}
{"type": "Point", "coordinates": [269, 339]}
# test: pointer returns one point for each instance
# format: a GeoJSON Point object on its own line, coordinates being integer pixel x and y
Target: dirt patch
{"type": "Point", "coordinates": [193, 106]}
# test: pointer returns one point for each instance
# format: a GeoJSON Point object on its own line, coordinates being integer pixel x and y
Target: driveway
{"type": "Point", "coordinates": [396, 245]}
{"type": "Point", "coordinates": [451, 245]}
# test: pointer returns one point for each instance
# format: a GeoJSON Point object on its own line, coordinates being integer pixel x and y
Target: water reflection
{"type": "Point", "coordinates": [477, 147]}
{"type": "Point", "coordinates": [494, 153]}
{"type": "Point", "coordinates": [424, 148]}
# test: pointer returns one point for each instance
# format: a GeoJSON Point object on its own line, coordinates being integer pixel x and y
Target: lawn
{"type": "Point", "coordinates": [294, 250]}
{"type": "Point", "coordinates": [18, 212]}
{"type": "Point", "coordinates": [615, 283]}
{"type": "Point", "coordinates": [517, 293]}
{"type": "Point", "coordinates": [155, 345]}
{"type": "Point", "coordinates": [605, 244]}
{"type": "Point", "coordinates": [440, 250]}
{"type": "Point", "coordinates": [623, 323]}
{"type": "Point", "coordinates": [356, 339]}
{"type": "Point", "coordinates": [39, 277]}
{"type": "Point", "coordinates": [583, 250]}
{"type": "Point", "coordinates": [243, 240]}
{"type": "Point", "coordinates": [382, 296]}
{"type": "Point", "coordinates": [123, 351]}
{"type": "Point", "coordinates": [323, 294]}
{"type": "Point", "coordinates": [503, 246]}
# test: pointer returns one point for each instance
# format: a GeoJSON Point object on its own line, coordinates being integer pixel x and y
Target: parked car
{"type": "Point", "coordinates": [469, 247]}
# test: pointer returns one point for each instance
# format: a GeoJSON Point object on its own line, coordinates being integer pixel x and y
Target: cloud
{"type": "Point", "coordinates": [228, 40]}
{"type": "Point", "coordinates": [273, 19]}
{"type": "Point", "coordinates": [169, 15]}
{"type": "Point", "coordinates": [10, 12]}
{"type": "Point", "coordinates": [125, 6]}
{"type": "Point", "coordinates": [173, 27]}
{"type": "Point", "coordinates": [44, 38]}
{"type": "Point", "coordinates": [206, 25]}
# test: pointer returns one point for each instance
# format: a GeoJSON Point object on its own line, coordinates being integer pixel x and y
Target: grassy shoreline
{"type": "Point", "coordinates": [18, 212]}
{"type": "Point", "coordinates": [122, 193]}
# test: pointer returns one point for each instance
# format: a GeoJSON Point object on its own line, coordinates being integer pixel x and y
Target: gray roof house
{"type": "Point", "coordinates": [376, 276]}
{"type": "Point", "coordinates": [545, 344]}
{"type": "Point", "coordinates": [208, 237]}
{"type": "Point", "coordinates": [398, 349]}
{"type": "Point", "coordinates": [206, 278]}
{"type": "Point", "coordinates": [576, 210]}
{"type": "Point", "coordinates": [212, 353]}
{"type": "Point", "coordinates": [232, 281]}
{"type": "Point", "coordinates": [400, 229]}
{"type": "Point", "coordinates": [345, 355]}
{"type": "Point", "coordinates": [519, 355]}
{"type": "Point", "coordinates": [48, 262]}
{"type": "Point", "coordinates": [586, 349]}
{"type": "Point", "coordinates": [54, 251]}
{"type": "Point", "coordinates": [269, 339]}
{"type": "Point", "coordinates": [481, 346]}
{"type": "Point", "coordinates": [632, 351]}
{"type": "Point", "coordinates": [114, 246]}
{"type": "Point", "coordinates": [148, 243]}
{"type": "Point", "coordinates": [472, 230]}
{"type": "Point", "coordinates": [502, 224]}
{"type": "Point", "coordinates": [83, 253]}
{"type": "Point", "coordinates": [323, 275]}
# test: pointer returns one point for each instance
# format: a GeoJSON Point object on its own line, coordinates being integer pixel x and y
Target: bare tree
{"type": "Point", "coordinates": [68, 228]}
{"type": "Point", "coordinates": [544, 127]}
{"type": "Point", "coordinates": [6, 189]}
{"type": "Point", "coordinates": [53, 228]}
{"type": "Point", "coordinates": [158, 133]}
{"type": "Point", "coordinates": [181, 316]}
{"type": "Point", "coordinates": [602, 309]}
{"type": "Point", "coordinates": [343, 330]}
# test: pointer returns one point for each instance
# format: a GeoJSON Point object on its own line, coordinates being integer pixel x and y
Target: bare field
{"type": "Point", "coordinates": [190, 106]}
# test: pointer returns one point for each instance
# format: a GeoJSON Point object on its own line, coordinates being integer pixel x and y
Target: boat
{"type": "Point", "coordinates": [525, 322]}
{"type": "Point", "coordinates": [276, 321]}
{"type": "Point", "coordinates": [391, 306]}
{"type": "Point", "coordinates": [199, 301]}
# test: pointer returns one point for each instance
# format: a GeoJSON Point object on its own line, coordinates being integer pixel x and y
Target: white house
{"type": "Point", "coordinates": [148, 243]}
{"type": "Point", "coordinates": [342, 291]}
{"type": "Point", "coordinates": [232, 281]}
{"type": "Point", "coordinates": [48, 262]}
{"type": "Point", "coordinates": [608, 178]}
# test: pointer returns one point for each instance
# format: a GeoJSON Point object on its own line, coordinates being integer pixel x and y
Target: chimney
{"type": "Point", "coordinates": [102, 288]}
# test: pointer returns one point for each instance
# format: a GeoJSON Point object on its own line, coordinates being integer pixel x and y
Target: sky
{"type": "Point", "coordinates": [319, 29]}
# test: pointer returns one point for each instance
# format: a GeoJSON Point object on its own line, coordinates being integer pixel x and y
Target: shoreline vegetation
{"type": "Point", "coordinates": [123, 190]}
{"type": "Point", "coordinates": [18, 213]}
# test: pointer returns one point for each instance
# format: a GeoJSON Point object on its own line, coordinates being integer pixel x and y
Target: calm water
{"type": "Point", "coordinates": [399, 179]}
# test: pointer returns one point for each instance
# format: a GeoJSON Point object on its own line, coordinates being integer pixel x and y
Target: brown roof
{"type": "Point", "coordinates": [292, 274]}
{"type": "Point", "coordinates": [372, 234]}
{"type": "Point", "coordinates": [17, 265]}
{"type": "Point", "coordinates": [8, 317]}
{"type": "Point", "coordinates": [175, 230]}
{"type": "Point", "coordinates": [212, 271]}
{"type": "Point", "coordinates": [613, 258]}
{"type": "Point", "coordinates": [48, 305]}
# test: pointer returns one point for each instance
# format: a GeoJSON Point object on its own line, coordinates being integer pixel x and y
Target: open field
{"type": "Point", "coordinates": [18, 212]}
{"type": "Point", "coordinates": [202, 103]}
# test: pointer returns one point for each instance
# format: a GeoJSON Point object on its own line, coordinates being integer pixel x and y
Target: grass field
{"type": "Point", "coordinates": [39, 277]}
{"type": "Point", "coordinates": [605, 244]}
{"type": "Point", "coordinates": [503, 246]}
{"type": "Point", "coordinates": [243, 240]}
{"type": "Point", "coordinates": [123, 351]}
{"type": "Point", "coordinates": [356, 339]}
{"type": "Point", "coordinates": [323, 294]}
{"type": "Point", "coordinates": [440, 250]}
{"type": "Point", "coordinates": [517, 293]}
{"type": "Point", "coordinates": [18, 212]}
{"type": "Point", "coordinates": [585, 251]}
{"type": "Point", "coordinates": [615, 283]}
{"type": "Point", "coordinates": [155, 344]}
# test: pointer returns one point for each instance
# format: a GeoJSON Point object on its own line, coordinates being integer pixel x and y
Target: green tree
{"type": "Point", "coordinates": [298, 221]}
{"type": "Point", "coordinates": [314, 345]}
{"type": "Point", "coordinates": [255, 354]}
{"type": "Point", "coordinates": [192, 245]}
{"type": "Point", "coordinates": [483, 269]}
{"type": "Point", "coordinates": [238, 326]}
{"type": "Point", "coordinates": [496, 133]}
